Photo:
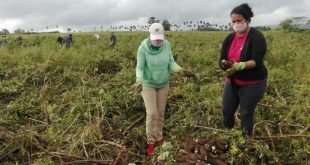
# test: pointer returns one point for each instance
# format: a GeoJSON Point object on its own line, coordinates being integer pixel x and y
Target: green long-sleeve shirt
{"type": "Point", "coordinates": [154, 65]}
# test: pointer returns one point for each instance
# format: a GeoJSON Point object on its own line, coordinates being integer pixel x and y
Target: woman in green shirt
{"type": "Point", "coordinates": [154, 64]}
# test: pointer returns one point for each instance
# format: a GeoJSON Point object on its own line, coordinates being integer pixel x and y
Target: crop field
{"type": "Point", "coordinates": [74, 105]}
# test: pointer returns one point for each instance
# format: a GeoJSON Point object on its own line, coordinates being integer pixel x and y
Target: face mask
{"type": "Point", "coordinates": [240, 27]}
{"type": "Point", "coordinates": [157, 43]}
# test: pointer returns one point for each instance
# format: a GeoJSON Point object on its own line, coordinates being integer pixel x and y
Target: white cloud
{"type": "Point", "coordinates": [272, 18]}
{"type": "Point", "coordinates": [87, 14]}
{"type": "Point", "coordinates": [10, 24]}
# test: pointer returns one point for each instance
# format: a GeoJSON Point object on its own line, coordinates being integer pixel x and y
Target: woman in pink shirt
{"type": "Point", "coordinates": [246, 76]}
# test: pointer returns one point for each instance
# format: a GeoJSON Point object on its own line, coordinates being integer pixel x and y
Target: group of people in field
{"type": "Point", "coordinates": [4, 41]}
{"type": "Point", "coordinates": [241, 58]}
{"type": "Point", "coordinates": [68, 40]}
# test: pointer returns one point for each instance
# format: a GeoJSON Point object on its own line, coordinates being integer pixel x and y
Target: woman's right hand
{"type": "Point", "coordinates": [227, 64]}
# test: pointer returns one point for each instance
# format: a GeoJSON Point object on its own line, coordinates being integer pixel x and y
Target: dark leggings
{"type": "Point", "coordinates": [247, 96]}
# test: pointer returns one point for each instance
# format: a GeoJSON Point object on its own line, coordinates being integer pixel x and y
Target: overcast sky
{"type": "Point", "coordinates": [87, 14]}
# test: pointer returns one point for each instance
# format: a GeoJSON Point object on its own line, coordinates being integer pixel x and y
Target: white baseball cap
{"type": "Point", "coordinates": [156, 31]}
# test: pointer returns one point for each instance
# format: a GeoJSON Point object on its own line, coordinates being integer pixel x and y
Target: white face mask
{"type": "Point", "coordinates": [157, 43]}
{"type": "Point", "coordinates": [240, 27]}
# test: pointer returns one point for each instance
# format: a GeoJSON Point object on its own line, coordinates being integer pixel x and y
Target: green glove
{"type": "Point", "coordinates": [230, 71]}
{"type": "Point", "coordinates": [239, 66]}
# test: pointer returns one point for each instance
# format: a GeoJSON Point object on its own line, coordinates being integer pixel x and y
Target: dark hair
{"type": "Point", "coordinates": [244, 10]}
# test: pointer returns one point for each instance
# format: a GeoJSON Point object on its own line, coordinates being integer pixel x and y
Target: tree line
{"type": "Point", "coordinates": [294, 24]}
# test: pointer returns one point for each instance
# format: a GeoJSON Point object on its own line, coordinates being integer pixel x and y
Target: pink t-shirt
{"type": "Point", "coordinates": [234, 55]}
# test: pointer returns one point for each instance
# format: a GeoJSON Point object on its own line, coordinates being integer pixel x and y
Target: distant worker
{"type": "Point", "coordinates": [97, 37]}
{"type": "Point", "coordinates": [68, 41]}
{"type": "Point", "coordinates": [60, 40]}
{"type": "Point", "coordinates": [3, 41]}
{"type": "Point", "coordinates": [113, 40]}
{"type": "Point", "coordinates": [19, 41]}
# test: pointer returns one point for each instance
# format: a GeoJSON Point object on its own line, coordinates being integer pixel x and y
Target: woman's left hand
{"type": "Point", "coordinates": [188, 73]}
{"type": "Point", "coordinates": [136, 87]}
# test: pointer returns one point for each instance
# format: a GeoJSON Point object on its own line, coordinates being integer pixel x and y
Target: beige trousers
{"type": "Point", "coordinates": [155, 103]}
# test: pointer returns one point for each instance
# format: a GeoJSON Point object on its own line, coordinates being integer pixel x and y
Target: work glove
{"type": "Point", "coordinates": [238, 66]}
